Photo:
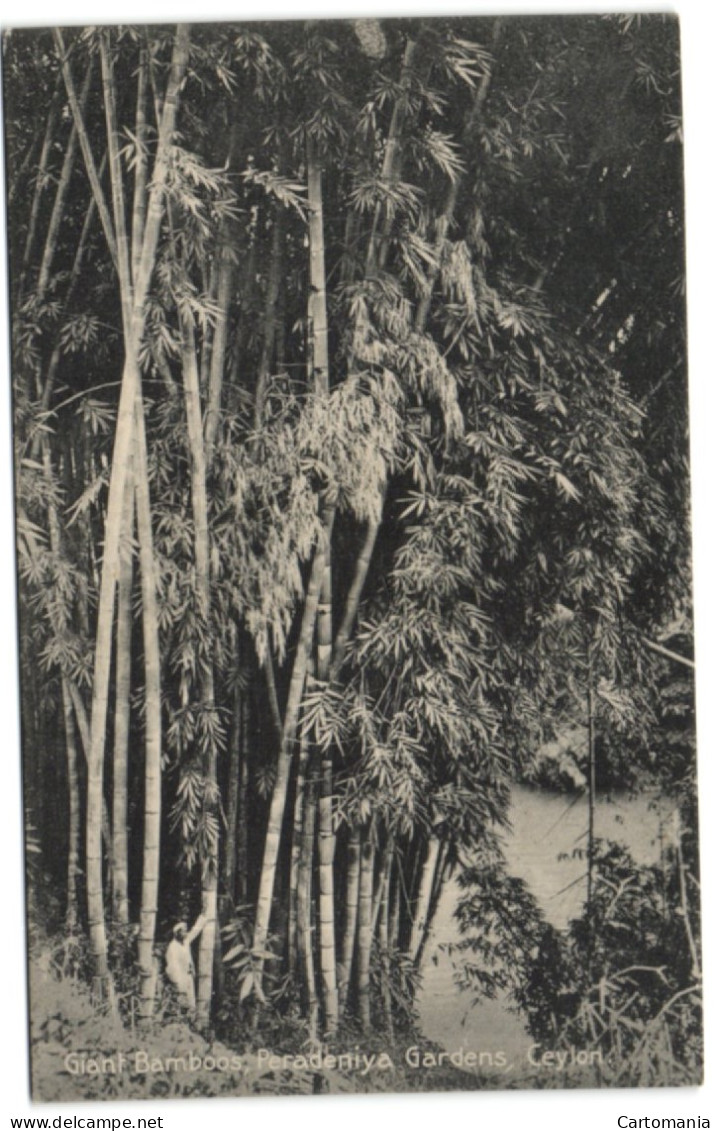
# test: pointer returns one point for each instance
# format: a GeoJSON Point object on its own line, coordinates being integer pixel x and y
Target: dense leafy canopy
{"type": "Point", "coordinates": [395, 489]}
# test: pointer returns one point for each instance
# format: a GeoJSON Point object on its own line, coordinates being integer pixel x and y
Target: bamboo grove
{"type": "Point", "coordinates": [348, 372]}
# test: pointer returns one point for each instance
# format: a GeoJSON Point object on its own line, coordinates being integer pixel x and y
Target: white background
{"type": "Point", "coordinates": [701, 46]}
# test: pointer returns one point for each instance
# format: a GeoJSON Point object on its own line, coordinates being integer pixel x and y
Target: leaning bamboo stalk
{"type": "Point", "coordinates": [438, 880]}
{"type": "Point", "coordinates": [166, 129]}
{"type": "Point", "coordinates": [116, 184]}
{"type": "Point", "coordinates": [70, 696]}
{"type": "Point", "coordinates": [423, 900]}
{"type": "Point", "coordinates": [16, 175]}
{"type": "Point", "coordinates": [53, 364]}
{"type": "Point", "coordinates": [61, 194]}
{"type": "Point", "coordinates": [355, 592]}
{"type": "Point", "coordinates": [84, 139]}
{"type": "Point", "coordinates": [140, 186]}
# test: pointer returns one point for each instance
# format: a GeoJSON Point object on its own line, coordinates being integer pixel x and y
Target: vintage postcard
{"type": "Point", "coordinates": [353, 552]}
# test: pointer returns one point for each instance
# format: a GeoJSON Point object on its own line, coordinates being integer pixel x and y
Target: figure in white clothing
{"type": "Point", "coordinates": [179, 965]}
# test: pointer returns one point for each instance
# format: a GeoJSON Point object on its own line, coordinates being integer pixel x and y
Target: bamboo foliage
{"type": "Point", "coordinates": [300, 546]}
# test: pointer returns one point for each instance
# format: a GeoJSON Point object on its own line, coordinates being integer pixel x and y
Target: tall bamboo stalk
{"type": "Point", "coordinates": [71, 754]}
{"type": "Point", "coordinates": [230, 850]}
{"type": "Point", "coordinates": [355, 592]}
{"type": "Point", "coordinates": [353, 860]}
{"type": "Point", "coordinates": [241, 871]}
{"type": "Point", "coordinates": [275, 276]}
{"type": "Point", "coordinates": [83, 729]}
{"type": "Point", "coordinates": [301, 785]}
{"type": "Point", "coordinates": [290, 725]}
{"type": "Point", "coordinates": [123, 653]}
{"type": "Point", "coordinates": [591, 774]}
{"type": "Point", "coordinates": [392, 155]}
{"type": "Point", "coordinates": [383, 929]}
{"type": "Point", "coordinates": [365, 935]}
{"type": "Point", "coordinates": [438, 879]}
{"type": "Point", "coordinates": [153, 724]}
{"type": "Point", "coordinates": [125, 433]}
{"type": "Point", "coordinates": [199, 498]}
{"type": "Point", "coordinates": [319, 378]}
{"type": "Point", "coordinates": [394, 909]}
{"type": "Point", "coordinates": [317, 305]}
{"type": "Point", "coordinates": [73, 865]}
{"type": "Point", "coordinates": [326, 841]}
{"type": "Point", "coordinates": [305, 901]}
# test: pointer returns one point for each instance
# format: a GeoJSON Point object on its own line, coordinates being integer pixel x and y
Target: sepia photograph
{"type": "Point", "coordinates": [350, 445]}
